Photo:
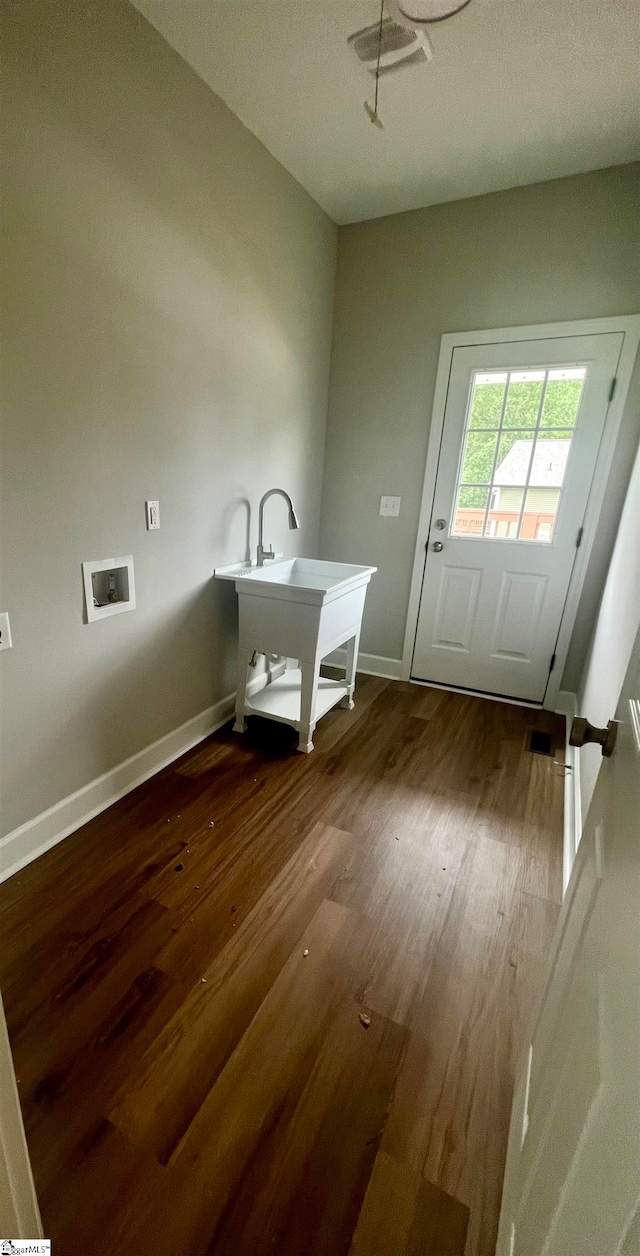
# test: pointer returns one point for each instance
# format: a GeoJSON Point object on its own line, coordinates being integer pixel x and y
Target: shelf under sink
{"type": "Point", "coordinates": [280, 700]}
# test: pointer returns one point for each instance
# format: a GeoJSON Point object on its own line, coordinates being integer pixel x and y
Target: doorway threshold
{"type": "Point", "coordinates": [478, 693]}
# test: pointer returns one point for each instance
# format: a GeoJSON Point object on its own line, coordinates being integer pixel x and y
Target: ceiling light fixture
{"type": "Point", "coordinates": [413, 15]}
{"type": "Point", "coordinates": [418, 13]}
{"type": "Point", "coordinates": [400, 48]}
{"type": "Point", "coordinates": [372, 113]}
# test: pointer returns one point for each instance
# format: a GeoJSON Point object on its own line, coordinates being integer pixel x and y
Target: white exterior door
{"type": "Point", "coordinates": [522, 429]}
{"type": "Point", "coordinates": [572, 1183]}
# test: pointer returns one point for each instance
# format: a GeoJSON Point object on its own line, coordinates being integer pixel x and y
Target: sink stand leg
{"type": "Point", "coordinates": [310, 677]}
{"type": "Point", "coordinates": [240, 723]}
{"type": "Point", "coordinates": [350, 674]}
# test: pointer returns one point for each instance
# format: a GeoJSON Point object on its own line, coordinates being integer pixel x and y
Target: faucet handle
{"type": "Point", "coordinates": [264, 554]}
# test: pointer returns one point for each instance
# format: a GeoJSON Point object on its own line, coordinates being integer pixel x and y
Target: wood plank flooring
{"type": "Point", "coordinates": [271, 1004]}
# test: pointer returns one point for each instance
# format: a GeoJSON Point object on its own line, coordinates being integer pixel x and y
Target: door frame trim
{"type": "Point", "coordinates": [20, 1211]}
{"type": "Point", "coordinates": [629, 325]}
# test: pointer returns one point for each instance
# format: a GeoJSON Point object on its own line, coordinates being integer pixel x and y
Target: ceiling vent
{"type": "Point", "coordinates": [398, 46]}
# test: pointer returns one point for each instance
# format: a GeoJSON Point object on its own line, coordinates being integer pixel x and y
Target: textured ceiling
{"type": "Point", "coordinates": [518, 91]}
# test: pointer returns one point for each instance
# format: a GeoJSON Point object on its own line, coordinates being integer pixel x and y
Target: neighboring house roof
{"type": "Point", "coordinates": [549, 462]}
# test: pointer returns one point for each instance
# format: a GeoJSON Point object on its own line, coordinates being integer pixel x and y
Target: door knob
{"type": "Point", "coordinates": [582, 732]}
{"type": "Point", "coordinates": [437, 546]}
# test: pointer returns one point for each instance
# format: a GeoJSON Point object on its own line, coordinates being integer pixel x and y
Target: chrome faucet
{"type": "Point", "coordinates": [293, 522]}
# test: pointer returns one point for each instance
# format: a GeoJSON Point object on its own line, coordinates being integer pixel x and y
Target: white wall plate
{"type": "Point", "coordinates": [390, 507]}
{"type": "Point", "coordinates": [5, 631]}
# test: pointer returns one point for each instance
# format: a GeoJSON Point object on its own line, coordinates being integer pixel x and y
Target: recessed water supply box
{"type": "Point", "coordinates": [109, 587]}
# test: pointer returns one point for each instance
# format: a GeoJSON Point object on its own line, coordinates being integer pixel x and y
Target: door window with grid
{"type": "Point", "coordinates": [519, 429]}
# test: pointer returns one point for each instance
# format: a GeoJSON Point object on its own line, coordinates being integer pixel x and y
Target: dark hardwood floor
{"type": "Point", "coordinates": [271, 1004]}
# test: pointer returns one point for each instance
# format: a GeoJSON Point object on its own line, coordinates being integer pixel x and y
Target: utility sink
{"type": "Point", "coordinates": [299, 579]}
{"type": "Point", "coordinates": [300, 609]}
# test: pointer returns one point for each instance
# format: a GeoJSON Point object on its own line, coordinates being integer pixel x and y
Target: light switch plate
{"type": "Point", "coordinates": [5, 631]}
{"type": "Point", "coordinates": [390, 506]}
{"type": "Point", "coordinates": [153, 515]}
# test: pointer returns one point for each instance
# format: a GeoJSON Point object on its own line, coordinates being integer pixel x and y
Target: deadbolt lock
{"type": "Point", "coordinates": [582, 733]}
{"type": "Point", "coordinates": [440, 524]}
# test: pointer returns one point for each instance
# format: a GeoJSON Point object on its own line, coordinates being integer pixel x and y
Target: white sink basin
{"type": "Point", "coordinates": [298, 579]}
{"type": "Point", "coordinates": [299, 609]}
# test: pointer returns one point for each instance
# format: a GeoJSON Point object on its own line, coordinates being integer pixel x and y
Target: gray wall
{"type": "Point", "coordinates": [561, 250]}
{"type": "Point", "coordinates": [168, 295]}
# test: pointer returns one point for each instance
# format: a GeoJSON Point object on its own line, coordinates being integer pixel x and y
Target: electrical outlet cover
{"type": "Point", "coordinates": [5, 631]}
{"type": "Point", "coordinates": [390, 506]}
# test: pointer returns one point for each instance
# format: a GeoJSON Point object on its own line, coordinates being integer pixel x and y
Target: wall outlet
{"type": "Point", "coordinates": [5, 631]}
{"type": "Point", "coordinates": [390, 506]}
{"type": "Point", "coordinates": [153, 515]}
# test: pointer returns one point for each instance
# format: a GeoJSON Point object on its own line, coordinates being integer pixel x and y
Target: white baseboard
{"type": "Point", "coordinates": [370, 664]}
{"type": "Point", "coordinates": [19, 848]}
{"type": "Point", "coordinates": [567, 705]}
{"type": "Point", "coordinates": [36, 836]}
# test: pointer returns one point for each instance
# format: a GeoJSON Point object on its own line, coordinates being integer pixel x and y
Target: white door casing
{"type": "Point", "coordinates": [517, 592]}
{"type": "Point", "coordinates": [491, 607]}
{"type": "Point", "coordinates": [572, 1181]}
{"type": "Point", "coordinates": [19, 1213]}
